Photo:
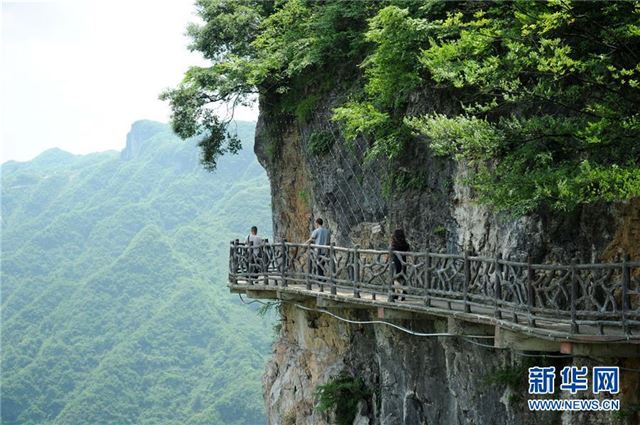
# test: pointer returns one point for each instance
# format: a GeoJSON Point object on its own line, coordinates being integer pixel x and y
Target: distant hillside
{"type": "Point", "coordinates": [114, 305]}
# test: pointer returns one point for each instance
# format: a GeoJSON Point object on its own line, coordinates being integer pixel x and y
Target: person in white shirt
{"type": "Point", "coordinates": [255, 241]}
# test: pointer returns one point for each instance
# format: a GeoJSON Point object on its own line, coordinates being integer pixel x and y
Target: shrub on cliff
{"type": "Point", "coordinates": [541, 99]}
{"type": "Point", "coordinates": [341, 395]}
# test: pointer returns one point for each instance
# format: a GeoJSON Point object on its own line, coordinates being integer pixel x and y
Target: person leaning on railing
{"type": "Point", "coordinates": [320, 236]}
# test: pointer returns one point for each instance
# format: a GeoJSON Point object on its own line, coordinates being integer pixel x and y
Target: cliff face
{"type": "Point", "coordinates": [412, 380]}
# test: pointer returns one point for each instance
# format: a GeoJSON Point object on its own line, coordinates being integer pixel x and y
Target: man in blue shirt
{"type": "Point", "coordinates": [320, 236]}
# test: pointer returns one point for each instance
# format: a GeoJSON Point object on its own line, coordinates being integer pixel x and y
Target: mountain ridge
{"type": "Point", "coordinates": [113, 300]}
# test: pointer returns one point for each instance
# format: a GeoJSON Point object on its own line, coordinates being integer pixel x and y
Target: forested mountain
{"type": "Point", "coordinates": [114, 305]}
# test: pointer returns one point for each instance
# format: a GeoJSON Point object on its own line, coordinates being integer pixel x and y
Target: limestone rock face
{"type": "Point", "coordinates": [138, 138]}
{"type": "Point", "coordinates": [412, 380]}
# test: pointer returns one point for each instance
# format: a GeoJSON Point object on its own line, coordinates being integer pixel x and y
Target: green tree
{"type": "Point", "coordinates": [257, 47]}
{"type": "Point", "coordinates": [541, 99]}
{"type": "Point", "coordinates": [550, 95]}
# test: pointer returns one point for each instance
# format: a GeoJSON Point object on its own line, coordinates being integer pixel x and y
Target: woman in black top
{"type": "Point", "coordinates": [399, 243]}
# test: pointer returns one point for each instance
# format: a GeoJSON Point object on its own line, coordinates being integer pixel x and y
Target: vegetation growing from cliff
{"type": "Point", "coordinates": [540, 99]}
{"type": "Point", "coordinates": [320, 143]}
{"type": "Point", "coordinates": [258, 47]}
{"type": "Point", "coordinates": [341, 396]}
{"type": "Point", "coordinates": [114, 304]}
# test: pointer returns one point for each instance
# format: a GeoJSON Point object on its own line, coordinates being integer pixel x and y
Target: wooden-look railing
{"type": "Point", "coordinates": [584, 299]}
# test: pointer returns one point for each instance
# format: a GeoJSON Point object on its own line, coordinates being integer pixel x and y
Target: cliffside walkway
{"type": "Point", "coordinates": [586, 303]}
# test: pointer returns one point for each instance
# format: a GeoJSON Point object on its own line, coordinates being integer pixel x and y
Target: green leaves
{"type": "Point", "coordinates": [463, 137]}
{"type": "Point", "coordinates": [519, 88]}
{"type": "Point", "coordinates": [320, 143]}
{"type": "Point", "coordinates": [226, 38]}
{"type": "Point", "coordinates": [391, 69]}
{"type": "Point", "coordinates": [341, 395]}
{"type": "Point", "coordinates": [255, 45]}
{"type": "Point", "coordinates": [544, 88]}
{"type": "Point", "coordinates": [229, 28]}
{"type": "Point", "coordinates": [193, 111]}
{"type": "Point", "coordinates": [360, 119]}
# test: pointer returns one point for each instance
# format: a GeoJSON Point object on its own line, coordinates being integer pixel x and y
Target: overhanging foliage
{"type": "Point", "coordinates": [541, 99]}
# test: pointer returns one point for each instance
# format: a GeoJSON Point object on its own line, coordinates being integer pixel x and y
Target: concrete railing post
{"type": "Point", "coordinates": [250, 266]}
{"type": "Point", "coordinates": [574, 290]}
{"type": "Point", "coordinates": [233, 263]}
{"type": "Point", "coordinates": [497, 291]}
{"type": "Point", "coordinates": [332, 269]}
{"type": "Point", "coordinates": [263, 264]}
{"type": "Point", "coordinates": [467, 282]}
{"type": "Point", "coordinates": [283, 271]}
{"type": "Point", "coordinates": [530, 293]}
{"type": "Point", "coordinates": [427, 279]}
{"type": "Point", "coordinates": [309, 267]}
{"type": "Point", "coordinates": [390, 289]}
{"type": "Point", "coordinates": [626, 282]}
{"type": "Point", "coordinates": [355, 278]}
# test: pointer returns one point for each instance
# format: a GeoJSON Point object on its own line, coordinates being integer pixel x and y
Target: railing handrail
{"type": "Point", "coordinates": [502, 261]}
{"type": "Point", "coordinates": [580, 299]}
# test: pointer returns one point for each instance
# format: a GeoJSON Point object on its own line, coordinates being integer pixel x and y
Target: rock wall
{"type": "Point", "coordinates": [412, 380]}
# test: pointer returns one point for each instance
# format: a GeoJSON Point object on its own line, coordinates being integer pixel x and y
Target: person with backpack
{"type": "Point", "coordinates": [399, 244]}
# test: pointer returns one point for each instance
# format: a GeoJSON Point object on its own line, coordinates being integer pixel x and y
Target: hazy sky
{"type": "Point", "coordinates": [76, 74]}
